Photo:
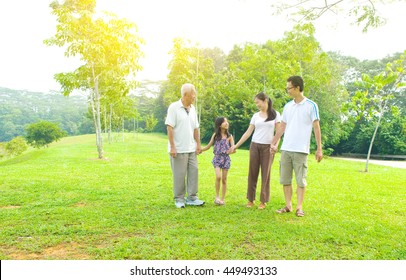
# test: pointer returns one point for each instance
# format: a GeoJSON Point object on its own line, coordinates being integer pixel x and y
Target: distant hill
{"type": "Point", "coordinates": [19, 108]}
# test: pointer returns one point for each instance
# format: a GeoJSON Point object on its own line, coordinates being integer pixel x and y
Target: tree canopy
{"type": "Point", "coordinates": [363, 13]}
{"type": "Point", "coordinates": [43, 133]}
{"type": "Point", "coordinates": [252, 68]}
{"type": "Point", "coordinates": [109, 48]}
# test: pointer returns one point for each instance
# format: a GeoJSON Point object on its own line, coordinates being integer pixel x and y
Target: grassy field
{"type": "Point", "coordinates": [62, 203]}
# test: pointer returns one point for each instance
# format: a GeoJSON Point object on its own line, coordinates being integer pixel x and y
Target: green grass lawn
{"type": "Point", "coordinates": [62, 203]}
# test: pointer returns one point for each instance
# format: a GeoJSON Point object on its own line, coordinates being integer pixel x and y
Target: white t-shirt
{"type": "Point", "coordinates": [183, 124]}
{"type": "Point", "coordinates": [299, 118]}
{"type": "Point", "coordinates": [264, 131]}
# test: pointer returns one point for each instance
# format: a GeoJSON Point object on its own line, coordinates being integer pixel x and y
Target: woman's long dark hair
{"type": "Point", "coordinates": [217, 128]}
{"type": "Point", "coordinates": [271, 111]}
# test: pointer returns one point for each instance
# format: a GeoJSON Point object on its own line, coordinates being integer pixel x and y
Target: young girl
{"type": "Point", "coordinates": [222, 141]}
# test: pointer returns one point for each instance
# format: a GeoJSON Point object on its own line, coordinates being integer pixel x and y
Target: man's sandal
{"type": "Point", "coordinates": [300, 213]}
{"type": "Point", "coordinates": [283, 210]}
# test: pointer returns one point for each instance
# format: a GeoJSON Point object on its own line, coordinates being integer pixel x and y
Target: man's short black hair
{"type": "Point", "coordinates": [296, 81]}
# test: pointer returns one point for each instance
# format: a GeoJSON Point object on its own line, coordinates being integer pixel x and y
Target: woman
{"type": "Point", "coordinates": [264, 124]}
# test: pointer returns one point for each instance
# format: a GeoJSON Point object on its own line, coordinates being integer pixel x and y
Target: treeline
{"type": "Point", "coordinates": [19, 108]}
{"type": "Point", "coordinates": [356, 98]}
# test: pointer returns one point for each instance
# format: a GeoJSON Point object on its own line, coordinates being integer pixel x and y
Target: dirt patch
{"type": "Point", "coordinates": [99, 159]}
{"type": "Point", "coordinates": [64, 251]}
{"type": "Point", "coordinates": [80, 204]}
{"type": "Point", "coordinates": [10, 207]}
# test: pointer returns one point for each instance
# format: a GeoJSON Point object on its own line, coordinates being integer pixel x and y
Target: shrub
{"type": "Point", "coordinates": [16, 146]}
{"type": "Point", "coordinates": [42, 133]}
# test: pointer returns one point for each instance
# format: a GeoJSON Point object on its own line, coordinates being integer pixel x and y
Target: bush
{"type": "Point", "coordinates": [16, 146]}
{"type": "Point", "coordinates": [42, 133]}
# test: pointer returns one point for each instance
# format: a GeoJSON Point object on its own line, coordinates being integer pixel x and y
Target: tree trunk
{"type": "Point", "coordinates": [99, 135]}
{"type": "Point", "coordinates": [97, 119]}
{"type": "Point", "coordinates": [373, 136]}
{"type": "Point", "coordinates": [105, 119]}
{"type": "Point", "coordinates": [110, 118]}
{"type": "Point", "coordinates": [123, 127]}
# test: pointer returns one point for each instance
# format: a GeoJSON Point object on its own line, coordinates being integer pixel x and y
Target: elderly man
{"type": "Point", "coordinates": [184, 144]}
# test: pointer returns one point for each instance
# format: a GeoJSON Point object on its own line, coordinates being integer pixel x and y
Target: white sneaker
{"type": "Point", "coordinates": [196, 202]}
{"type": "Point", "coordinates": [179, 204]}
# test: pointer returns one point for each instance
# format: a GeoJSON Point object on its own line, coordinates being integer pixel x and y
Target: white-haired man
{"type": "Point", "coordinates": [184, 146]}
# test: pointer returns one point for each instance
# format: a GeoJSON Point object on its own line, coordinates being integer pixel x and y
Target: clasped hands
{"type": "Point", "coordinates": [274, 148]}
{"type": "Point", "coordinates": [232, 150]}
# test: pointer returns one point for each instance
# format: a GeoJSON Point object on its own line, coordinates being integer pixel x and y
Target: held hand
{"type": "Point", "coordinates": [198, 150]}
{"type": "Point", "coordinates": [274, 148]}
{"type": "Point", "coordinates": [231, 150]}
{"type": "Point", "coordinates": [319, 155]}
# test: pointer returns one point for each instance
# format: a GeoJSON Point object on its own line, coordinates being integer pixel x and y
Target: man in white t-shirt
{"type": "Point", "coordinates": [183, 145]}
{"type": "Point", "coordinates": [299, 117]}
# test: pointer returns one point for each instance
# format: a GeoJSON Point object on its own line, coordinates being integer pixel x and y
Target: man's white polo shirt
{"type": "Point", "coordinates": [299, 118]}
{"type": "Point", "coordinates": [184, 123]}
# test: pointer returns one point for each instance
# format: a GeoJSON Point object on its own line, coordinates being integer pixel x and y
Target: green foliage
{"type": "Point", "coordinates": [16, 146]}
{"type": "Point", "coordinates": [252, 68]}
{"type": "Point", "coordinates": [364, 13]}
{"type": "Point", "coordinates": [377, 93]}
{"type": "Point", "coordinates": [69, 206]}
{"type": "Point", "coordinates": [367, 16]}
{"type": "Point", "coordinates": [189, 64]}
{"type": "Point", "coordinates": [109, 48]}
{"type": "Point", "coordinates": [150, 123]}
{"type": "Point", "coordinates": [43, 133]}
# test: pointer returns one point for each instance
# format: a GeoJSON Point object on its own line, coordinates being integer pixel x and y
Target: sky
{"type": "Point", "coordinates": [27, 64]}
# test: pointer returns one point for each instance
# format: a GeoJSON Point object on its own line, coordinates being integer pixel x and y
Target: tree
{"type": "Point", "coordinates": [109, 48]}
{"type": "Point", "coordinates": [365, 12]}
{"type": "Point", "coordinates": [265, 67]}
{"type": "Point", "coordinates": [379, 90]}
{"type": "Point", "coordinates": [252, 68]}
{"type": "Point", "coordinates": [43, 133]}
{"type": "Point", "coordinates": [191, 64]}
{"type": "Point", "coordinates": [150, 122]}
{"type": "Point", "coordinates": [359, 113]}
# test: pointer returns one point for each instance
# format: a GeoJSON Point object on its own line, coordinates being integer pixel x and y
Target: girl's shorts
{"type": "Point", "coordinates": [222, 161]}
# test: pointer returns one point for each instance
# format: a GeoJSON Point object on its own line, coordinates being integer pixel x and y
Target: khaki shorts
{"type": "Point", "coordinates": [293, 161]}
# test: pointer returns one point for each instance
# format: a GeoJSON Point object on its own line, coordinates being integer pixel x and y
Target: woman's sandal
{"type": "Point", "coordinates": [262, 206]}
{"type": "Point", "coordinates": [283, 210]}
{"type": "Point", "coordinates": [300, 213]}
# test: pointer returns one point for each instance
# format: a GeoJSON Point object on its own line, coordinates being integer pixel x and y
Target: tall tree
{"type": "Point", "coordinates": [378, 91]}
{"type": "Point", "coordinates": [189, 64]}
{"type": "Point", "coordinates": [253, 68]}
{"type": "Point", "coordinates": [361, 113]}
{"type": "Point", "coordinates": [108, 46]}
